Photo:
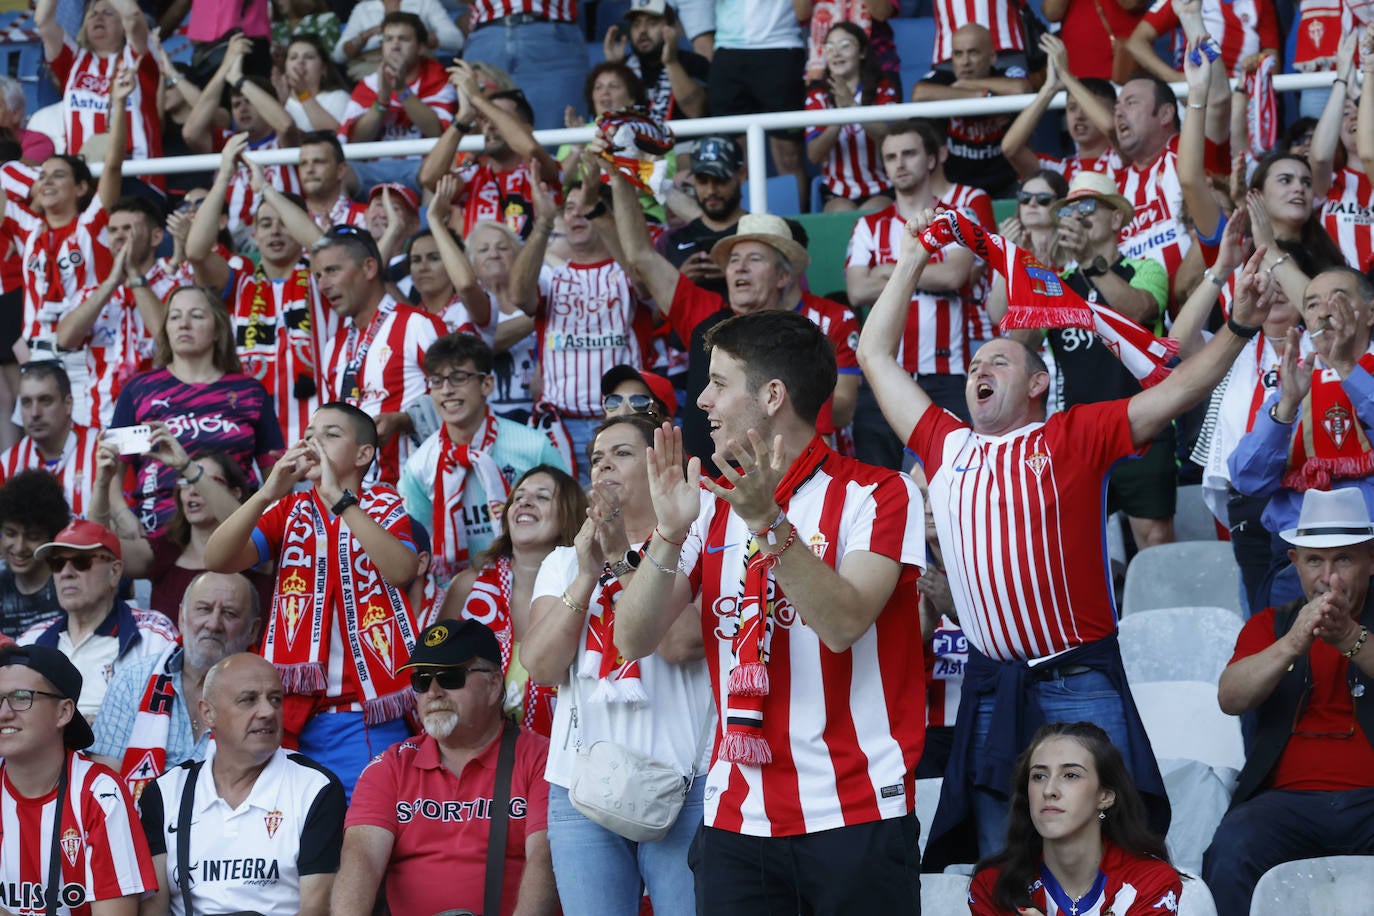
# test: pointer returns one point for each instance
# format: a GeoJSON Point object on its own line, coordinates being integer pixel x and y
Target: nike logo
{"type": "Point", "coordinates": [710, 549]}
{"type": "Point", "coordinates": [683, 246]}
{"type": "Point", "coordinates": [966, 470]}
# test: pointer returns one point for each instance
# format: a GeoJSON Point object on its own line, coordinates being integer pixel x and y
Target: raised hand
{"type": "Point", "coordinates": [164, 447]}
{"type": "Point", "coordinates": [1253, 295]}
{"type": "Point", "coordinates": [289, 470]}
{"type": "Point", "coordinates": [1295, 378]}
{"type": "Point", "coordinates": [545, 210]}
{"type": "Point", "coordinates": [591, 560]}
{"type": "Point", "coordinates": [674, 488]}
{"type": "Point", "coordinates": [604, 511]}
{"type": "Point", "coordinates": [1261, 227]}
{"type": "Point", "coordinates": [613, 45]}
{"type": "Point", "coordinates": [441, 202]}
{"type": "Point", "coordinates": [107, 464]}
{"type": "Point", "coordinates": [257, 178]}
{"type": "Point", "coordinates": [1057, 56]}
{"type": "Point", "coordinates": [229, 156]}
{"type": "Point", "coordinates": [464, 79]}
{"type": "Point", "coordinates": [754, 482]}
{"type": "Point", "coordinates": [122, 86]}
{"type": "Point", "coordinates": [1231, 252]}
{"type": "Point", "coordinates": [1197, 67]}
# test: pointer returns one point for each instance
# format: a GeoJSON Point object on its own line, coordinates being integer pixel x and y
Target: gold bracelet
{"type": "Point", "coordinates": [1359, 643]}
{"type": "Point", "coordinates": [573, 605]}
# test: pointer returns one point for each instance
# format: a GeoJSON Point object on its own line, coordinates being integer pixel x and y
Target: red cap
{"type": "Point", "coordinates": [660, 387]}
{"type": "Point", "coordinates": [397, 189]}
{"type": "Point", "coordinates": [83, 535]}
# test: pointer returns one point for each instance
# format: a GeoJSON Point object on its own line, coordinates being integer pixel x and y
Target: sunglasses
{"type": "Point", "coordinates": [1041, 198]}
{"type": "Point", "coordinates": [21, 700]}
{"type": "Point", "coordinates": [448, 678]}
{"type": "Point", "coordinates": [81, 562]}
{"type": "Point", "coordinates": [1085, 207]}
{"type": "Point", "coordinates": [639, 403]}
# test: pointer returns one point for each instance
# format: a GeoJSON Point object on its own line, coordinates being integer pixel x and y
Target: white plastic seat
{"type": "Point", "coordinates": [927, 800]}
{"type": "Point", "coordinates": [1196, 899]}
{"type": "Point", "coordinates": [1193, 521]}
{"type": "Point", "coordinates": [944, 894]}
{"type": "Point", "coordinates": [1199, 796]}
{"type": "Point", "coordinates": [1328, 886]}
{"type": "Point", "coordinates": [1182, 574]}
{"type": "Point", "coordinates": [1183, 720]}
{"type": "Point", "coordinates": [1178, 643]}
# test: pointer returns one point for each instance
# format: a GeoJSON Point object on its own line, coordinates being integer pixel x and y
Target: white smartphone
{"type": "Point", "coordinates": [130, 440]}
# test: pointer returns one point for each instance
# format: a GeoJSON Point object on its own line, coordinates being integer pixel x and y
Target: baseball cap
{"type": "Point", "coordinates": [660, 387]}
{"type": "Point", "coordinates": [718, 156]}
{"type": "Point", "coordinates": [54, 665]}
{"type": "Point", "coordinates": [397, 189]}
{"type": "Point", "coordinates": [652, 7]}
{"type": "Point", "coordinates": [82, 534]}
{"type": "Point", "coordinates": [450, 643]}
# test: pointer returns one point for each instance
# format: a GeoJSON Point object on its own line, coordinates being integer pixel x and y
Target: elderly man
{"type": "Point", "coordinates": [1307, 788]}
{"type": "Point", "coordinates": [56, 803]}
{"type": "Point", "coordinates": [418, 809]}
{"type": "Point", "coordinates": [150, 719]}
{"type": "Point", "coordinates": [268, 823]}
{"type": "Point", "coordinates": [97, 629]}
{"type": "Point", "coordinates": [1018, 500]}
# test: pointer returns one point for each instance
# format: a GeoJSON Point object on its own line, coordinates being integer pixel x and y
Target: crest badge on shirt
{"type": "Point", "coordinates": [1336, 422]}
{"type": "Point", "coordinates": [272, 820]}
{"type": "Point", "coordinates": [71, 844]}
{"type": "Point", "coordinates": [1037, 463]}
{"type": "Point", "coordinates": [818, 544]}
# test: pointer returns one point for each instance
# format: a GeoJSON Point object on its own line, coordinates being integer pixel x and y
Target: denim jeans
{"type": "Point", "coordinates": [343, 744]}
{"type": "Point", "coordinates": [1086, 697]}
{"type": "Point", "coordinates": [547, 60]}
{"type": "Point", "coordinates": [580, 431]}
{"type": "Point", "coordinates": [600, 873]}
{"type": "Point", "coordinates": [372, 172]}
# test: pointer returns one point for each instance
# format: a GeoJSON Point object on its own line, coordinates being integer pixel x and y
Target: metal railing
{"type": "Point", "coordinates": [753, 127]}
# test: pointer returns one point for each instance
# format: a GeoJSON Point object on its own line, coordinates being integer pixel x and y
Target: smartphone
{"type": "Point", "coordinates": [130, 440]}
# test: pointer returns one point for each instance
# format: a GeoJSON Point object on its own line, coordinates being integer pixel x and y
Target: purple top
{"type": "Point", "coordinates": [233, 414]}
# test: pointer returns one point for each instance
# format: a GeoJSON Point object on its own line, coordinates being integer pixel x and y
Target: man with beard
{"type": "Point", "coordinates": [150, 718]}
{"type": "Point", "coordinates": [674, 79]}
{"type": "Point", "coordinates": [419, 808]}
{"type": "Point", "coordinates": [716, 178]}
{"type": "Point", "coordinates": [322, 169]}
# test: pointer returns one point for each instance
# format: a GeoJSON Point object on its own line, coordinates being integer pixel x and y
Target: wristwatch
{"type": "Point", "coordinates": [626, 564]}
{"type": "Point", "coordinates": [1098, 267]}
{"type": "Point", "coordinates": [137, 282]}
{"type": "Point", "coordinates": [349, 498]}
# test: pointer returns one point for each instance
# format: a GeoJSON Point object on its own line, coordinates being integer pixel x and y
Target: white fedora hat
{"type": "Point", "coordinates": [1331, 518]}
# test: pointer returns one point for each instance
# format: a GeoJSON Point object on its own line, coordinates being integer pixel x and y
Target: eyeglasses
{"type": "Point", "coordinates": [639, 403]}
{"type": "Point", "coordinates": [1086, 207]}
{"type": "Point", "coordinates": [455, 379]}
{"type": "Point", "coordinates": [448, 678]}
{"type": "Point", "coordinates": [22, 700]}
{"type": "Point", "coordinates": [81, 562]}
{"type": "Point", "coordinates": [348, 231]}
{"type": "Point", "coordinates": [1041, 198]}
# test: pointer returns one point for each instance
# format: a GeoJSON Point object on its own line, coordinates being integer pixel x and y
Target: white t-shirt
{"type": "Point", "coordinates": [669, 728]}
{"type": "Point", "coordinates": [755, 25]}
{"type": "Point", "coordinates": [334, 101]}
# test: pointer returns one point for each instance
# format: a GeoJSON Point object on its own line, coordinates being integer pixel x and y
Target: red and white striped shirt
{"type": "Point", "coordinates": [346, 211]}
{"type": "Point", "coordinates": [585, 327]}
{"type": "Point", "coordinates": [240, 203]}
{"type": "Point", "coordinates": [1022, 523]}
{"type": "Point", "coordinates": [503, 197]}
{"type": "Point", "coordinates": [1109, 163]}
{"type": "Point", "coordinates": [1000, 17]}
{"type": "Point", "coordinates": [484, 11]}
{"type": "Point", "coordinates": [102, 851]}
{"type": "Point", "coordinates": [933, 342]}
{"type": "Point", "coordinates": [977, 203]}
{"type": "Point", "coordinates": [431, 85]}
{"type": "Point", "coordinates": [945, 673]}
{"type": "Point", "coordinates": [87, 77]}
{"type": "Point", "coordinates": [845, 728]}
{"type": "Point", "coordinates": [16, 181]}
{"type": "Point", "coordinates": [853, 170]}
{"type": "Point", "coordinates": [387, 361]}
{"type": "Point", "coordinates": [1157, 231]}
{"type": "Point", "coordinates": [75, 467]}
{"type": "Point", "coordinates": [1347, 215]}
{"type": "Point", "coordinates": [280, 329]}
{"type": "Point", "coordinates": [58, 263]}
{"type": "Point", "coordinates": [1240, 27]}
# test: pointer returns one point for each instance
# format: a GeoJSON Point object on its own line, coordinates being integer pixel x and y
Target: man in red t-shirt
{"type": "Point", "coordinates": [1307, 788]}
{"type": "Point", "coordinates": [419, 808]}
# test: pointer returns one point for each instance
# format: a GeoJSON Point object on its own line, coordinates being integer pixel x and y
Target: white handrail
{"type": "Point", "coordinates": [753, 126]}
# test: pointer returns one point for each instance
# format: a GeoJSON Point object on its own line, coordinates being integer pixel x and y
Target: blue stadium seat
{"type": "Point", "coordinates": [816, 183]}
{"type": "Point", "coordinates": [915, 41]}
{"type": "Point", "coordinates": [609, 13]}
{"type": "Point", "coordinates": [782, 195]}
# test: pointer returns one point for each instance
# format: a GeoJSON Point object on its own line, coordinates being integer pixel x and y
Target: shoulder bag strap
{"type": "Point", "coordinates": [53, 901]}
{"type": "Point", "coordinates": [188, 797]}
{"type": "Point", "coordinates": [500, 820]}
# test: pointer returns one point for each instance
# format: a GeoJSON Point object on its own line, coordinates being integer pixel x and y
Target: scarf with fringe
{"type": "Point", "coordinates": [617, 680]}
{"type": "Point", "coordinates": [1329, 443]}
{"type": "Point", "coordinates": [489, 603]}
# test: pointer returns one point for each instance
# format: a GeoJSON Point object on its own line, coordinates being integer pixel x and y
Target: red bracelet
{"type": "Point", "coordinates": [668, 540]}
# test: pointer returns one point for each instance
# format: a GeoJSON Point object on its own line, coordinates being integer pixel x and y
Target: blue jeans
{"type": "Point", "coordinates": [341, 743]}
{"type": "Point", "coordinates": [547, 60]}
{"type": "Point", "coordinates": [600, 873]}
{"type": "Point", "coordinates": [1086, 697]}
{"type": "Point", "coordinates": [372, 172]}
{"type": "Point", "coordinates": [580, 431]}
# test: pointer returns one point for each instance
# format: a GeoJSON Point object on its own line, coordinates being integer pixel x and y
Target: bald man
{"type": "Point", "coordinates": [268, 823]}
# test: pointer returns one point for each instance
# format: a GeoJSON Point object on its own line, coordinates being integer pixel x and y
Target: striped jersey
{"type": "Point", "coordinates": [845, 728]}
{"type": "Point", "coordinates": [853, 170]}
{"type": "Point", "coordinates": [503, 197]}
{"type": "Point", "coordinates": [933, 342]}
{"type": "Point", "coordinates": [1157, 231]}
{"type": "Point", "coordinates": [16, 182]}
{"type": "Point", "coordinates": [75, 467]}
{"type": "Point", "coordinates": [484, 11]}
{"type": "Point", "coordinates": [945, 673]}
{"type": "Point", "coordinates": [977, 203]}
{"type": "Point", "coordinates": [240, 203]}
{"type": "Point", "coordinates": [1000, 17]}
{"type": "Point", "coordinates": [1022, 524]}
{"type": "Point", "coordinates": [585, 327]}
{"type": "Point", "coordinates": [380, 369]}
{"type": "Point", "coordinates": [1347, 215]}
{"type": "Point", "coordinates": [1129, 884]}
{"type": "Point", "coordinates": [346, 211]}
{"type": "Point", "coordinates": [1240, 27]}
{"type": "Point", "coordinates": [1109, 163]}
{"type": "Point", "coordinates": [431, 85]}
{"type": "Point", "coordinates": [87, 77]}
{"type": "Point", "coordinates": [118, 346]}
{"type": "Point", "coordinates": [58, 263]}
{"type": "Point", "coordinates": [102, 852]}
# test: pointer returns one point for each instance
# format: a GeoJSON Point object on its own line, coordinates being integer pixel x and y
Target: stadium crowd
{"type": "Point", "coordinates": [523, 531]}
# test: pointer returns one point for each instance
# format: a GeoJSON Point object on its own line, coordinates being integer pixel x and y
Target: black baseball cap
{"type": "Point", "coordinates": [450, 643]}
{"type": "Point", "coordinates": [717, 156]}
{"type": "Point", "coordinates": [54, 665]}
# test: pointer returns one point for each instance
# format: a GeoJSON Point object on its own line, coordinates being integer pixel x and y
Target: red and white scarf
{"type": "Point", "coordinates": [145, 758]}
{"type": "Point", "coordinates": [450, 481]}
{"type": "Point", "coordinates": [489, 603]}
{"type": "Point", "coordinates": [744, 741]}
{"type": "Point", "coordinates": [1038, 298]}
{"type": "Point", "coordinates": [545, 418]}
{"type": "Point", "coordinates": [345, 590]}
{"type": "Point", "coordinates": [617, 680]}
{"type": "Point", "coordinates": [1262, 110]}
{"type": "Point", "coordinates": [1329, 442]}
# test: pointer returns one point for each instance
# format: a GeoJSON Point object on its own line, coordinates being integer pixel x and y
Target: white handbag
{"type": "Point", "coordinates": [627, 792]}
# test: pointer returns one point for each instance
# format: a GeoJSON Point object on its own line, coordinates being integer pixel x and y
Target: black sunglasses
{"type": "Point", "coordinates": [1043, 198]}
{"type": "Point", "coordinates": [448, 678]}
{"type": "Point", "coordinates": [639, 403]}
{"type": "Point", "coordinates": [81, 562]}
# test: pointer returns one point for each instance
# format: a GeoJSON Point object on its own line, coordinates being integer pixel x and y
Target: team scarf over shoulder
{"type": "Point", "coordinates": [617, 680]}
{"type": "Point", "coordinates": [344, 588]}
{"type": "Point", "coordinates": [489, 603]}
{"type": "Point", "coordinates": [145, 758]}
{"type": "Point", "coordinates": [744, 741]}
{"type": "Point", "coordinates": [1329, 442]}
{"type": "Point", "coordinates": [450, 480]}
{"type": "Point", "coordinates": [1038, 298]}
